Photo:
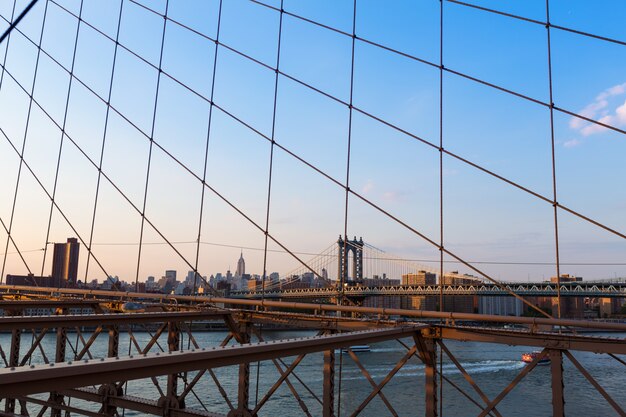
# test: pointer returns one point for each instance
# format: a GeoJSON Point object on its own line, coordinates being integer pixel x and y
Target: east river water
{"type": "Point", "coordinates": [492, 366]}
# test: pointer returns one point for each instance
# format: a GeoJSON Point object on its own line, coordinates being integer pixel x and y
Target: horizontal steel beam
{"type": "Point", "coordinates": [544, 340]}
{"type": "Point", "coordinates": [309, 321]}
{"type": "Point", "coordinates": [15, 382]}
{"type": "Point", "coordinates": [208, 299]}
{"type": "Point", "coordinates": [142, 405]}
{"type": "Point", "coordinates": [74, 320]}
{"type": "Point", "coordinates": [24, 304]}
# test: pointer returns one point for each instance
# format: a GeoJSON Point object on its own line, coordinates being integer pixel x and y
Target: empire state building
{"type": "Point", "coordinates": [241, 266]}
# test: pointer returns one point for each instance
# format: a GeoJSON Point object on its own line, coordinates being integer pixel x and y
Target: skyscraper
{"type": "Point", "coordinates": [65, 261]}
{"type": "Point", "coordinates": [241, 266]}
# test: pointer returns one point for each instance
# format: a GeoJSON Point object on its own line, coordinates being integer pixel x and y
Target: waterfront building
{"type": "Point", "coordinates": [419, 302]}
{"type": "Point", "coordinates": [65, 261]}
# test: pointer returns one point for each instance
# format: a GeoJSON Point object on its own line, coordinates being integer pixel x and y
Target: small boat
{"type": "Point", "coordinates": [357, 348]}
{"type": "Point", "coordinates": [530, 356]}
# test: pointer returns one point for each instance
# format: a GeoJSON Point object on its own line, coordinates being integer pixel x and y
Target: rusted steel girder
{"type": "Point", "coordinates": [556, 368]}
{"type": "Point", "coordinates": [75, 320]}
{"type": "Point", "coordinates": [56, 399]}
{"type": "Point", "coordinates": [14, 360]}
{"type": "Point", "coordinates": [42, 378]}
{"type": "Point", "coordinates": [428, 355]}
{"type": "Point", "coordinates": [328, 406]}
{"type": "Point", "coordinates": [544, 340]}
{"type": "Point", "coordinates": [141, 405]}
{"type": "Point", "coordinates": [18, 305]}
{"type": "Point", "coordinates": [309, 321]}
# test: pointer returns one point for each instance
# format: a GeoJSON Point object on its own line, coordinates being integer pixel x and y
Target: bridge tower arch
{"type": "Point", "coordinates": [345, 248]}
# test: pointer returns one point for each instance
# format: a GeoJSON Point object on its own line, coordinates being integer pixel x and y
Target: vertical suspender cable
{"type": "Point", "coordinates": [345, 226]}
{"type": "Point", "coordinates": [156, 101]}
{"type": "Point", "coordinates": [206, 149]}
{"type": "Point", "coordinates": [67, 104]}
{"type": "Point", "coordinates": [30, 106]}
{"type": "Point", "coordinates": [441, 231]}
{"type": "Point", "coordinates": [269, 183]}
{"type": "Point", "coordinates": [104, 136]}
{"type": "Point", "coordinates": [554, 196]}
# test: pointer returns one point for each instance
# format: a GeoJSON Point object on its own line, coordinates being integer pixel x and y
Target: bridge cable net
{"type": "Point", "coordinates": [168, 171]}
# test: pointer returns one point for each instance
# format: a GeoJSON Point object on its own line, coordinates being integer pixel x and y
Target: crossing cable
{"type": "Point", "coordinates": [269, 185]}
{"type": "Point", "coordinates": [206, 149]}
{"type": "Point", "coordinates": [17, 250]}
{"type": "Point", "coordinates": [104, 136]}
{"type": "Point", "coordinates": [383, 211]}
{"type": "Point", "coordinates": [124, 117]}
{"type": "Point", "coordinates": [79, 148]}
{"type": "Point", "coordinates": [441, 230]}
{"type": "Point", "coordinates": [272, 144]}
{"type": "Point", "coordinates": [538, 22]}
{"type": "Point", "coordinates": [565, 208]}
{"type": "Point", "coordinates": [114, 185]}
{"type": "Point", "coordinates": [156, 102]}
{"type": "Point", "coordinates": [30, 105]}
{"type": "Point", "coordinates": [344, 261]}
{"type": "Point", "coordinates": [391, 125]}
{"type": "Point", "coordinates": [367, 114]}
{"type": "Point", "coordinates": [556, 214]}
{"type": "Point", "coordinates": [58, 167]}
{"type": "Point", "coordinates": [6, 50]}
{"type": "Point", "coordinates": [464, 75]}
{"type": "Point", "coordinates": [440, 158]}
{"type": "Point", "coordinates": [12, 26]}
{"type": "Point", "coordinates": [43, 187]}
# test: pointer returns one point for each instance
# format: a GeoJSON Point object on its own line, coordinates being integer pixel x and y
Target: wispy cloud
{"type": "Point", "coordinates": [368, 187]}
{"type": "Point", "coordinates": [601, 110]}
{"type": "Point", "coordinates": [572, 143]}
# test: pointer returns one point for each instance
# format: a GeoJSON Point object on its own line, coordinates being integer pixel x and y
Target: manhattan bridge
{"type": "Point", "coordinates": [168, 134]}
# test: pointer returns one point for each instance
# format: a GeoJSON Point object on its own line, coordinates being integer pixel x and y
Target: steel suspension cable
{"type": "Point", "coordinates": [21, 153]}
{"type": "Point", "coordinates": [344, 261]}
{"type": "Point", "coordinates": [212, 189]}
{"type": "Point", "coordinates": [269, 184]}
{"type": "Point", "coordinates": [156, 101]}
{"type": "Point", "coordinates": [58, 166]}
{"type": "Point", "coordinates": [206, 148]}
{"type": "Point", "coordinates": [7, 32]}
{"type": "Point", "coordinates": [233, 206]}
{"type": "Point", "coordinates": [426, 142]}
{"type": "Point", "coordinates": [554, 182]}
{"type": "Point", "coordinates": [441, 200]}
{"type": "Point", "coordinates": [358, 196]}
{"type": "Point", "coordinates": [104, 135]}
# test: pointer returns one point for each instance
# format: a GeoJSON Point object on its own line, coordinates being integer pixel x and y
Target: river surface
{"type": "Point", "coordinates": [492, 366]}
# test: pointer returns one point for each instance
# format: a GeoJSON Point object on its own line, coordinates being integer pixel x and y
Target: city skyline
{"type": "Point", "coordinates": [392, 165]}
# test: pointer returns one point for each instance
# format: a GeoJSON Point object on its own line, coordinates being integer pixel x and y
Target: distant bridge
{"type": "Point", "coordinates": [572, 289]}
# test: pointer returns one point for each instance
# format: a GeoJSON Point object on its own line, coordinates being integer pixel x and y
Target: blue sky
{"type": "Point", "coordinates": [485, 219]}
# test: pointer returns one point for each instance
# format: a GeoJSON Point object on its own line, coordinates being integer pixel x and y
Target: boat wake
{"type": "Point", "coordinates": [473, 368]}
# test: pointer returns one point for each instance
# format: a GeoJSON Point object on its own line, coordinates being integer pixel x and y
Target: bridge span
{"type": "Point", "coordinates": [157, 363]}
{"type": "Point", "coordinates": [572, 289]}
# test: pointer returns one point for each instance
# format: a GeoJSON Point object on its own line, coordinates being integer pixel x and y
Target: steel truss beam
{"type": "Point", "coordinates": [137, 404]}
{"type": "Point", "coordinates": [543, 340]}
{"type": "Point", "coordinates": [308, 321]}
{"type": "Point", "coordinates": [38, 322]}
{"type": "Point", "coordinates": [383, 312]}
{"type": "Point", "coordinates": [25, 381]}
